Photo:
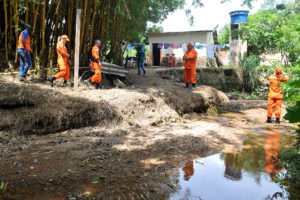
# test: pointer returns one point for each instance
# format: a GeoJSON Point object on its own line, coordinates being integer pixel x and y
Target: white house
{"type": "Point", "coordinates": [156, 52]}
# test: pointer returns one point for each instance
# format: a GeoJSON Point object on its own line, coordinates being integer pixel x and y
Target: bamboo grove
{"type": "Point", "coordinates": [114, 22]}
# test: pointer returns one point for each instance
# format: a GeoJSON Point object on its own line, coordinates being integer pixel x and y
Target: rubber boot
{"type": "Point", "coordinates": [187, 85]}
{"type": "Point", "coordinates": [193, 85]}
{"type": "Point", "coordinates": [51, 79]}
{"type": "Point", "coordinates": [269, 120]}
{"type": "Point", "coordinates": [98, 86]}
{"type": "Point", "coordinates": [87, 81]}
{"type": "Point", "coordinates": [65, 84]}
{"type": "Point", "coordinates": [277, 121]}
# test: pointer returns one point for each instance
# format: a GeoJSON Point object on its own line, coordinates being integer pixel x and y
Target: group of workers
{"type": "Point", "coordinates": [190, 57]}
{"type": "Point", "coordinates": [275, 92]}
{"type": "Point", "coordinates": [24, 48]}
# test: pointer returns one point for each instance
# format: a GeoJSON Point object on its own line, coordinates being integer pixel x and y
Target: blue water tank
{"type": "Point", "coordinates": [239, 16]}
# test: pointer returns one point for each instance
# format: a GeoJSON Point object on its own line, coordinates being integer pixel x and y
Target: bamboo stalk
{"type": "Point", "coordinates": [70, 18]}
{"type": "Point", "coordinates": [11, 22]}
{"type": "Point", "coordinates": [16, 28]}
{"type": "Point", "coordinates": [43, 25]}
{"type": "Point", "coordinates": [5, 13]}
{"type": "Point", "coordinates": [83, 24]}
{"type": "Point", "coordinates": [27, 11]}
{"type": "Point", "coordinates": [93, 22]}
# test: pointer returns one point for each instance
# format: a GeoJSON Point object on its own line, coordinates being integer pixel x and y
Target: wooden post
{"type": "Point", "coordinates": [77, 46]}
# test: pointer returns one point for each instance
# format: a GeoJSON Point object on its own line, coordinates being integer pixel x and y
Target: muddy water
{"type": "Point", "coordinates": [244, 171]}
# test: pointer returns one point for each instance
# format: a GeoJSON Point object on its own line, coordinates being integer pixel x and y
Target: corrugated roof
{"type": "Point", "coordinates": [164, 33]}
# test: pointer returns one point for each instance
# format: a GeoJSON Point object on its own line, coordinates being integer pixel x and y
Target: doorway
{"type": "Point", "coordinates": [156, 54]}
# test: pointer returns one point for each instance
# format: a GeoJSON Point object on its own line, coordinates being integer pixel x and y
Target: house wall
{"type": "Point", "coordinates": [185, 37]}
{"type": "Point", "coordinates": [221, 78]}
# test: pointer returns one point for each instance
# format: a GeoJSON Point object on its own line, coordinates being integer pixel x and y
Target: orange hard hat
{"type": "Point", "coordinates": [65, 37]}
{"type": "Point", "coordinates": [278, 71]}
{"type": "Point", "coordinates": [190, 44]}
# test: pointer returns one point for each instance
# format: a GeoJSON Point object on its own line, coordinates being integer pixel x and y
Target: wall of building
{"type": "Point", "coordinates": [183, 37]}
{"type": "Point", "coordinates": [220, 78]}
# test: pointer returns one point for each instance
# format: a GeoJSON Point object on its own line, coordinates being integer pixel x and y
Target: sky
{"type": "Point", "coordinates": [206, 18]}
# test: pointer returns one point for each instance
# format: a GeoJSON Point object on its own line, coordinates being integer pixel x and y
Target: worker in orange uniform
{"type": "Point", "coordinates": [96, 66]}
{"type": "Point", "coordinates": [275, 95]}
{"type": "Point", "coordinates": [190, 58]}
{"type": "Point", "coordinates": [271, 150]}
{"type": "Point", "coordinates": [23, 50]}
{"type": "Point", "coordinates": [62, 60]}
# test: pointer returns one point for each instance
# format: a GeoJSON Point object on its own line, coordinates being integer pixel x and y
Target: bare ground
{"type": "Point", "coordinates": [146, 129]}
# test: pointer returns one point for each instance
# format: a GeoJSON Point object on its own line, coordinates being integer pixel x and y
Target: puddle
{"type": "Point", "coordinates": [246, 173]}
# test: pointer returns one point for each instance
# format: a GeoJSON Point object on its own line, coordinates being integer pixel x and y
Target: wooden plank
{"type": "Point", "coordinates": [77, 47]}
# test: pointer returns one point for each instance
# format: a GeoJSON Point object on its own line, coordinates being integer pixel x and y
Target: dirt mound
{"type": "Point", "coordinates": [32, 110]}
{"type": "Point", "coordinates": [194, 100]}
{"type": "Point", "coordinates": [239, 105]}
{"type": "Point", "coordinates": [148, 100]}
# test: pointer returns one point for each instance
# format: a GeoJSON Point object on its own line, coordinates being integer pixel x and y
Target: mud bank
{"type": "Point", "coordinates": [220, 78]}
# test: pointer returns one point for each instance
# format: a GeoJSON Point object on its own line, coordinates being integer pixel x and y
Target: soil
{"type": "Point", "coordinates": [123, 139]}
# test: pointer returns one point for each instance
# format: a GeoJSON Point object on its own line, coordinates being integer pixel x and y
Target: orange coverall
{"type": "Point", "coordinates": [271, 149]}
{"type": "Point", "coordinates": [63, 61]}
{"type": "Point", "coordinates": [96, 66]}
{"type": "Point", "coordinates": [190, 66]}
{"type": "Point", "coordinates": [275, 94]}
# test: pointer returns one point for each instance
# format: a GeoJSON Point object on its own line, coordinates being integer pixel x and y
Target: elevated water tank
{"type": "Point", "coordinates": [239, 16]}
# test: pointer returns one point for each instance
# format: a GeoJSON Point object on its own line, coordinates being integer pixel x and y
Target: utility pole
{"type": "Point", "coordinates": [77, 47]}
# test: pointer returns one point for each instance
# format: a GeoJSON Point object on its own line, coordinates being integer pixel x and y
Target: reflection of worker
{"type": "Point", "coordinates": [24, 52]}
{"type": "Point", "coordinates": [232, 169]}
{"type": "Point", "coordinates": [188, 170]}
{"type": "Point", "coordinates": [190, 58]}
{"type": "Point", "coordinates": [96, 65]}
{"type": "Point", "coordinates": [62, 60]}
{"type": "Point", "coordinates": [272, 148]}
{"type": "Point", "coordinates": [275, 95]}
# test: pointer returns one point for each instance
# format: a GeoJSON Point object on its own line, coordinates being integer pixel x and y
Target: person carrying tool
{"type": "Point", "coordinates": [23, 50]}
{"type": "Point", "coordinates": [63, 61]}
{"type": "Point", "coordinates": [95, 65]}
{"type": "Point", "coordinates": [275, 95]}
{"type": "Point", "coordinates": [190, 58]}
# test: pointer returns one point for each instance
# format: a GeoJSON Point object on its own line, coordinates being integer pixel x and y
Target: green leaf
{"type": "Point", "coordinates": [293, 113]}
{"type": "Point", "coordinates": [2, 185]}
{"type": "Point", "coordinates": [95, 182]}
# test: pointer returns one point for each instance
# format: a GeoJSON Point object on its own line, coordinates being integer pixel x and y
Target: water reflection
{"type": "Point", "coordinates": [236, 174]}
{"type": "Point", "coordinates": [272, 149]}
{"type": "Point", "coordinates": [239, 173]}
{"type": "Point", "coordinates": [188, 170]}
{"type": "Point", "coordinates": [231, 171]}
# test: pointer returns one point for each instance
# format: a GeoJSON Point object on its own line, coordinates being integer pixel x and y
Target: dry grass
{"type": "Point", "coordinates": [32, 110]}
{"type": "Point", "coordinates": [39, 109]}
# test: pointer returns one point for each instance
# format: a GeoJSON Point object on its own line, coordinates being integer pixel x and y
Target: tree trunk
{"type": "Point", "coordinates": [43, 25]}
{"type": "Point", "coordinates": [83, 24]}
{"type": "Point", "coordinates": [5, 13]}
{"type": "Point", "coordinates": [11, 14]}
{"type": "Point", "coordinates": [27, 11]}
{"type": "Point", "coordinates": [93, 22]}
{"type": "Point", "coordinates": [43, 55]}
{"type": "Point", "coordinates": [16, 28]}
{"type": "Point", "coordinates": [70, 18]}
